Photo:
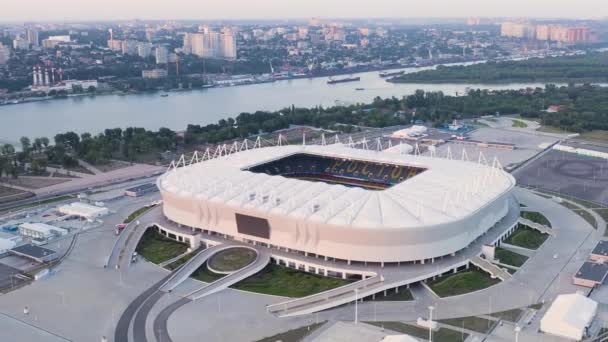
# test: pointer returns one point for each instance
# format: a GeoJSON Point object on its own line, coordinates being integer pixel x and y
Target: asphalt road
{"type": "Point", "coordinates": [160, 322]}
{"type": "Point", "coordinates": [121, 333]}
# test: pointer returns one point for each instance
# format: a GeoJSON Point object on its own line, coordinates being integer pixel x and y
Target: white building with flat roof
{"type": "Point", "coordinates": [40, 230]}
{"type": "Point", "coordinates": [8, 241]}
{"type": "Point", "coordinates": [569, 316]}
{"type": "Point", "coordinates": [83, 210]}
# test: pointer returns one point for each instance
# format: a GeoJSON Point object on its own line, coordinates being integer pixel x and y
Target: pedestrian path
{"type": "Point", "coordinates": [256, 266]}
{"type": "Point", "coordinates": [540, 227]}
{"type": "Point", "coordinates": [490, 268]}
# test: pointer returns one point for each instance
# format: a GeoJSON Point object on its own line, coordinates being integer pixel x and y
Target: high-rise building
{"type": "Point", "coordinates": [228, 47]}
{"type": "Point", "coordinates": [129, 47]}
{"type": "Point", "coordinates": [115, 45]}
{"type": "Point", "coordinates": [32, 37]}
{"type": "Point", "coordinates": [197, 41]}
{"type": "Point", "coordinates": [187, 43]}
{"type": "Point", "coordinates": [161, 54]}
{"type": "Point", "coordinates": [20, 44]}
{"type": "Point", "coordinates": [473, 21]}
{"type": "Point", "coordinates": [5, 54]}
{"type": "Point", "coordinates": [517, 30]}
{"type": "Point", "coordinates": [211, 44]}
{"type": "Point", "coordinates": [144, 49]}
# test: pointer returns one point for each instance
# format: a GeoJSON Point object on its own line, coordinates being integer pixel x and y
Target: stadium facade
{"type": "Point", "coordinates": [341, 203]}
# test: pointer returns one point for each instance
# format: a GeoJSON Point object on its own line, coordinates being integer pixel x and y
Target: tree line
{"type": "Point", "coordinates": [590, 67]}
{"type": "Point", "coordinates": [582, 108]}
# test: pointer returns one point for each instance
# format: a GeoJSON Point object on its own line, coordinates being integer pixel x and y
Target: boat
{"type": "Point", "coordinates": [359, 89]}
{"type": "Point", "coordinates": [343, 80]}
{"type": "Point", "coordinates": [391, 73]}
{"type": "Point", "coordinates": [164, 95]}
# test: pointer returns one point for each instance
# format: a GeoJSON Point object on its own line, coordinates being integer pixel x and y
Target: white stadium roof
{"type": "Point", "coordinates": [446, 191]}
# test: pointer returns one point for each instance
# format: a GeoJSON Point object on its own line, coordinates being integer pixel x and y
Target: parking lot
{"type": "Point", "coordinates": [568, 173]}
{"type": "Point", "coordinates": [526, 145]}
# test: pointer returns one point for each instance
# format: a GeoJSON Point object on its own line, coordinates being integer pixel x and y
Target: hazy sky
{"type": "Point", "coordinates": [28, 10]}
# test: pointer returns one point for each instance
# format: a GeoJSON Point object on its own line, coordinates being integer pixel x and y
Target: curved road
{"type": "Point", "coordinates": [122, 327]}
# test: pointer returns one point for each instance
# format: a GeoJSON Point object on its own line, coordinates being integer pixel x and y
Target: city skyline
{"type": "Point", "coordinates": [71, 10]}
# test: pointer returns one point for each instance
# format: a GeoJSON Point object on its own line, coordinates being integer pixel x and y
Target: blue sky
{"type": "Point", "coordinates": [28, 10]}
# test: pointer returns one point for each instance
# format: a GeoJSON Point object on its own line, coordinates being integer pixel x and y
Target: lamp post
{"type": "Point", "coordinates": [431, 308]}
{"type": "Point", "coordinates": [356, 308]}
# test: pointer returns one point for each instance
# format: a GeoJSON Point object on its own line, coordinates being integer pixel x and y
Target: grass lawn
{"type": "Point", "coordinates": [597, 135]}
{"type": "Point", "coordinates": [203, 274]}
{"type": "Point", "coordinates": [282, 281]}
{"type": "Point", "coordinates": [441, 335]}
{"type": "Point", "coordinates": [518, 123]}
{"type": "Point", "coordinates": [527, 238]}
{"type": "Point", "coordinates": [155, 248]}
{"type": "Point", "coordinates": [177, 263]}
{"type": "Point", "coordinates": [551, 129]}
{"type": "Point", "coordinates": [462, 282]}
{"type": "Point", "coordinates": [135, 214]}
{"type": "Point", "coordinates": [509, 315]}
{"type": "Point", "coordinates": [510, 258]}
{"type": "Point", "coordinates": [536, 217]}
{"type": "Point", "coordinates": [478, 324]}
{"type": "Point", "coordinates": [293, 335]}
{"type": "Point", "coordinates": [232, 259]}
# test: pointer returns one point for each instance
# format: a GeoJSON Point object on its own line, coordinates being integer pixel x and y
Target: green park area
{"type": "Point", "coordinates": [156, 248]}
{"type": "Point", "coordinates": [278, 280]}
{"type": "Point", "coordinates": [283, 281]}
{"type": "Point", "coordinates": [136, 214]}
{"type": "Point", "coordinates": [232, 259]}
{"type": "Point", "coordinates": [441, 335]}
{"type": "Point", "coordinates": [527, 238]}
{"type": "Point", "coordinates": [518, 124]}
{"type": "Point", "coordinates": [537, 217]}
{"type": "Point", "coordinates": [461, 282]}
{"type": "Point", "coordinates": [510, 258]}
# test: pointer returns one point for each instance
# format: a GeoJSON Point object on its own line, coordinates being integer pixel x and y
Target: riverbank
{"type": "Point", "coordinates": [8, 101]}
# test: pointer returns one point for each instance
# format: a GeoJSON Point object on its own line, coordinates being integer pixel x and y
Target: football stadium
{"type": "Point", "coordinates": [340, 203]}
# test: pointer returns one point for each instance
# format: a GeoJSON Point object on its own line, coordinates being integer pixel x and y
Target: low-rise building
{"type": "Point", "coordinates": [83, 210]}
{"type": "Point", "coordinates": [40, 230]}
{"type": "Point", "coordinates": [154, 73]}
{"type": "Point", "coordinates": [569, 316]}
{"type": "Point", "coordinates": [600, 252]}
{"type": "Point", "coordinates": [8, 241]}
{"type": "Point", "coordinates": [591, 274]}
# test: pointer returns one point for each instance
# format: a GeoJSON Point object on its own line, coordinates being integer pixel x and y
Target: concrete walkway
{"type": "Point", "coordinates": [191, 266]}
{"type": "Point", "coordinates": [491, 268]}
{"type": "Point", "coordinates": [256, 266]}
{"type": "Point", "coordinates": [89, 167]}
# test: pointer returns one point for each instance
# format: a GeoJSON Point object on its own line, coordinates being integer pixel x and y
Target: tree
{"type": "Point", "coordinates": [45, 142]}
{"type": "Point", "coordinates": [25, 143]}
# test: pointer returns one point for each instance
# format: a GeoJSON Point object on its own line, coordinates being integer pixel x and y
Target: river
{"type": "Point", "coordinates": [95, 113]}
